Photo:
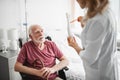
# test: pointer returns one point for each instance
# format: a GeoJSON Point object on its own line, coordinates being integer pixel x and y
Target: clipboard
{"type": "Point", "coordinates": [68, 25]}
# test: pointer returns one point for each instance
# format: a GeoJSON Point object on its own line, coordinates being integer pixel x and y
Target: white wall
{"type": "Point", "coordinates": [48, 13]}
{"type": "Point", "coordinates": [51, 14]}
{"type": "Point", "coordinates": [115, 5]}
{"type": "Point", "coordinates": [9, 14]}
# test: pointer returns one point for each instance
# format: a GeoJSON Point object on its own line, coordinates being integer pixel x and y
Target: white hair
{"type": "Point", "coordinates": [30, 28]}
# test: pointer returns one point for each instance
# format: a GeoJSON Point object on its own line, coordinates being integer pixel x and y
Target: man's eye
{"type": "Point", "coordinates": [37, 32]}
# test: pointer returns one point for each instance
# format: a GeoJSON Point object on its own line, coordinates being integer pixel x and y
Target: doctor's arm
{"type": "Point", "coordinates": [93, 41]}
{"type": "Point", "coordinates": [94, 37]}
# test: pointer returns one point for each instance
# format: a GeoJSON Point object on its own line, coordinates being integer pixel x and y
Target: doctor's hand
{"type": "Point", "coordinates": [72, 42]}
{"type": "Point", "coordinates": [79, 19]}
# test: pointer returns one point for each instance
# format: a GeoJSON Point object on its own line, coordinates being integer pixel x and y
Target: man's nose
{"type": "Point", "coordinates": [40, 33]}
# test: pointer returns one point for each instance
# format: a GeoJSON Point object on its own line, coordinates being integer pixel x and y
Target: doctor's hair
{"type": "Point", "coordinates": [96, 6]}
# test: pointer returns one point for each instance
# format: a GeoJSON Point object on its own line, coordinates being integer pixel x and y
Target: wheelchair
{"type": "Point", "coordinates": [61, 73]}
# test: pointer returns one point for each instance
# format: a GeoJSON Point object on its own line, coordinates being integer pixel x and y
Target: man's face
{"type": "Point", "coordinates": [37, 34]}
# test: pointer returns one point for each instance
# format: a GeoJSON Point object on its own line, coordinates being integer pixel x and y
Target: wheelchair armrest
{"type": "Point", "coordinates": [66, 68]}
{"type": "Point", "coordinates": [62, 73]}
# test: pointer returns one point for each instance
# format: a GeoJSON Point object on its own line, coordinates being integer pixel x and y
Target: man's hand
{"type": "Point", "coordinates": [45, 72]}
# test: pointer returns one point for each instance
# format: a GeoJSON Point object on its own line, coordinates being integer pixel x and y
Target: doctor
{"type": "Point", "coordinates": [98, 40]}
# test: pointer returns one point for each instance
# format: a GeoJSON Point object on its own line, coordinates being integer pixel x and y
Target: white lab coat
{"type": "Point", "coordinates": [99, 40]}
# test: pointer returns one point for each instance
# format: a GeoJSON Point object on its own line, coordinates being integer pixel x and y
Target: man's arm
{"type": "Point", "coordinates": [63, 63]}
{"type": "Point", "coordinates": [21, 68]}
{"type": "Point", "coordinates": [31, 71]}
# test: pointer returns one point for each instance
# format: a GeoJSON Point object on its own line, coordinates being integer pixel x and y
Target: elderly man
{"type": "Point", "coordinates": [37, 57]}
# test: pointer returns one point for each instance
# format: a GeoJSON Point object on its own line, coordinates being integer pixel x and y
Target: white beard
{"type": "Point", "coordinates": [42, 40]}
